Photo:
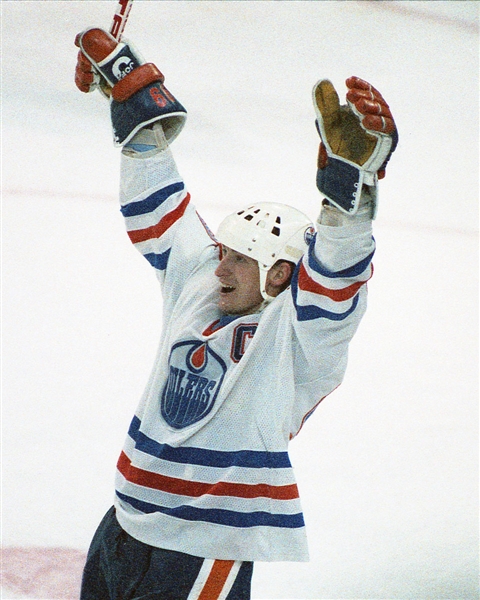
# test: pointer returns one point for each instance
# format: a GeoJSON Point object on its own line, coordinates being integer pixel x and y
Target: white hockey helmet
{"type": "Point", "coordinates": [267, 232]}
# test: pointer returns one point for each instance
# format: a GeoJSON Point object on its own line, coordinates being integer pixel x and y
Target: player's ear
{"type": "Point", "coordinates": [283, 272]}
{"type": "Point", "coordinates": [278, 277]}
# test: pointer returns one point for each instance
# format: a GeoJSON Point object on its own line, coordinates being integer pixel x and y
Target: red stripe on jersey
{"type": "Point", "coordinates": [156, 231]}
{"type": "Point", "coordinates": [182, 487]}
{"type": "Point", "coordinates": [216, 580]}
{"type": "Point", "coordinates": [307, 284]}
{"type": "Point", "coordinates": [309, 413]}
{"type": "Point", "coordinates": [211, 328]}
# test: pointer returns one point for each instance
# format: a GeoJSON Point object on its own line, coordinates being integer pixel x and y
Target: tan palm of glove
{"type": "Point", "coordinates": [357, 140]}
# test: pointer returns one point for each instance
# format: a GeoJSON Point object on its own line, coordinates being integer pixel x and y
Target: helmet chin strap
{"type": "Point", "coordinates": [263, 270]}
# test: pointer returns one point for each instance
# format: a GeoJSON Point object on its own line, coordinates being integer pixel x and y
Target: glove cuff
{"type": "Point", "coordinates": [341, 182]}
{"type": "Point", "coordinates": [331, 216]}
{"type": "Point", "coordinates": [152, 103]}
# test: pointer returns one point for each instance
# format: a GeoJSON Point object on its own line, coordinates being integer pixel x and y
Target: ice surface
{"type": "Point", "coordinates": [387, 466]}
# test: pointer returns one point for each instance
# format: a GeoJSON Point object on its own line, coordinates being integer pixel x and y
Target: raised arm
{"type": "Point", "coordinates": [146, 118]}
{"type": "Point", "coordinates": [329, 286]}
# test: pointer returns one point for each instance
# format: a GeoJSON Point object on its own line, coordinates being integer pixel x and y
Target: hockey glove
{"type": "Point", "coordinates": [357, 141]}
{"type": "Point", "coordinates": [137, 94]}
{"type": "Point", "coordinates": [87, 79]}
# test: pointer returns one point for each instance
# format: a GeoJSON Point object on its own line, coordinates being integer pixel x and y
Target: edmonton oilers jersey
{"type": "Point", "coordinates": [205, 468]}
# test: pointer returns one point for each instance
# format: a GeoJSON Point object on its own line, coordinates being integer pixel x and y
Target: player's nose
{"type": "Point", "coordinates": [222, 268]}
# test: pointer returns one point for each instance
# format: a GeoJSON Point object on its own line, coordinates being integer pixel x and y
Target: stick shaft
{"type": "Point", "coordinates": [120, 18]}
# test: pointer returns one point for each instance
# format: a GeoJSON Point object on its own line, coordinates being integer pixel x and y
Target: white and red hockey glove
{"type": "Point", "coordinates": [358, 140]}
{"type": "Point", "coordinates": [137, 95]}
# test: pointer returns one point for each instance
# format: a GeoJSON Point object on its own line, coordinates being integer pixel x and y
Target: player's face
{"type": "Point", "coordinates": [239, 280]}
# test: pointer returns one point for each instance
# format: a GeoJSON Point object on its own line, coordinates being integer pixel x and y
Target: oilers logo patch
{"type": "Point", "coordinates": [196, 373]}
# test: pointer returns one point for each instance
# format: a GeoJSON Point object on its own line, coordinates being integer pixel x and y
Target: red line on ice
{"type": "Point", "coordinates": [53, 573]}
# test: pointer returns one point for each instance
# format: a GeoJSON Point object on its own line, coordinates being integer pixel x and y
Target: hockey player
{"type": "Point", "coordinates": [256, 326]}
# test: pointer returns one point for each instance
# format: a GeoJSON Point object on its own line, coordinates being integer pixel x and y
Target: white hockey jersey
{"type": "Point", "coordinates": [205, 468]}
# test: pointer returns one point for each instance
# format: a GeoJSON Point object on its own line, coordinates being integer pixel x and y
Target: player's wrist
{"type": "Point", "coordinates": [331, 216]}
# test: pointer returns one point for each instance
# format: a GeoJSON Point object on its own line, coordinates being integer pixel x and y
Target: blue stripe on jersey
{"type": "Point", "coordinates": [219, 516]}
{"type": "Point", "coordinates": [151, 202]}
{"type": "Point", "coordinates": [310, 311]}
{"type": "Point", "coordinates": [352, 271]}
{"type": "Point", "coordinates": [254, 459]}
{"type": "Point", "coordinates": [159, 261]}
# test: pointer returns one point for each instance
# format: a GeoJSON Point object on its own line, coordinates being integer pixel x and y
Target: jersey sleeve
{"type": "Point", "coordinates": [160, 219]}
{"type": "Point", "coordinates": [329, 295]}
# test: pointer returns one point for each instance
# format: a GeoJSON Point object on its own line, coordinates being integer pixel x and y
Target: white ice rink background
{"type": "Point", "coordinates": [387, 466]}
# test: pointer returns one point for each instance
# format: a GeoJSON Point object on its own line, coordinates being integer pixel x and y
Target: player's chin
{"type": "Point", "coordinates": [227, 307]}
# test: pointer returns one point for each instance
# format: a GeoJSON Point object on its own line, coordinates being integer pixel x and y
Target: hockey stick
{"type": "Point", "coordinates": [116, 30]}
{"type": "Point", "coordinates": [87, 77]}
{"type": "Point", "coordinates": [120, 18]}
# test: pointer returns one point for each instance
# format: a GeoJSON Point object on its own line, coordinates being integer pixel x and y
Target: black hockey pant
{"type": "Point", "coordinates": [119, 567]}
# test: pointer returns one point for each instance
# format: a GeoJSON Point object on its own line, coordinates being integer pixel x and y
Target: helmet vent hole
{"type": "Point", "coordinates": [276, 231]}
{"type": "Point", "coordinates": [278, 220]}
{"type": "Point", "coordinates": [248, 217]}
{"type": "Point", "coordinates": [241, 212]}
